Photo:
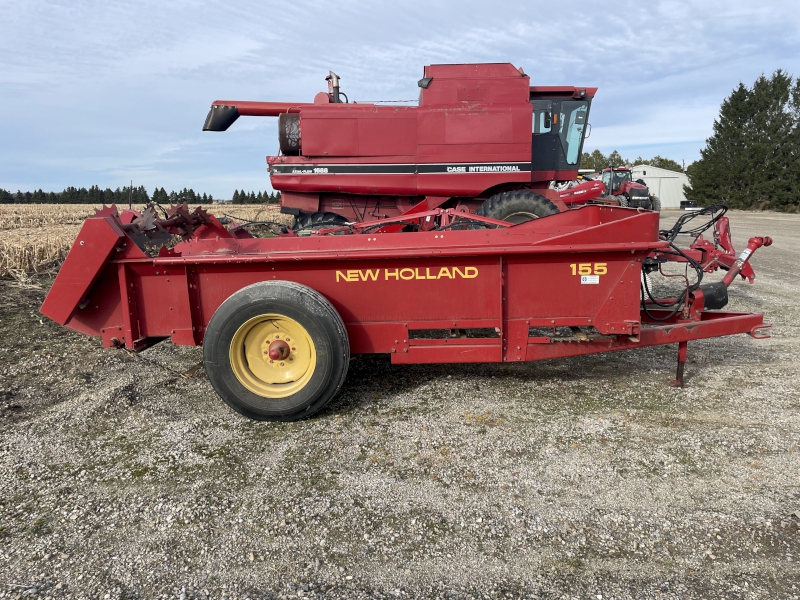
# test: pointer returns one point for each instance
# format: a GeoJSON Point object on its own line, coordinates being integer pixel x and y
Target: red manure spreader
{"type": "Point", "coordinates": [279, 317]}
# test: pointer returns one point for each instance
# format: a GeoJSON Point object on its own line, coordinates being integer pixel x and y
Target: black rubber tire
{"type": "Point", "coordinates": [306, 223]}
{"type": "Point", "coordinates": [311, 310]}
{"type": "Point", "coordinates": [517, 206]}
{"type": "Point", "coordinates": [622, 201]}
{"type": "Point", "coordinates": [655, 203]}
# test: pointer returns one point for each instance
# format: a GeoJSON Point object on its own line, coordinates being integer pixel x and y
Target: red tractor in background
{"type": "Point", "coordinates": [615, 186]}
{"type": "Point", "coordinates": [620, 185]}
{"type": "Point", "coordinates": [481, 140]}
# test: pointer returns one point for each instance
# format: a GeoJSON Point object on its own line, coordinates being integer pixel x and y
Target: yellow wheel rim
{"type": "Point", "coordinates": [273, 356]}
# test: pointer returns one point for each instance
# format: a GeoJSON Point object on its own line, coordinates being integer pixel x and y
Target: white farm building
{"type": "Point", "coordinates": [667, 185]}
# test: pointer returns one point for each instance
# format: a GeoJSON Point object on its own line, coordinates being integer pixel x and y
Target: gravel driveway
{"type": "Point", "coordinates": [125, 476]}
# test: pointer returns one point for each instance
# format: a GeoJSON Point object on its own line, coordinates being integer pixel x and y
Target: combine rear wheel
{"type": "Point", "coordinates": [305, 224]}
{"type": "Point", "coordinates": [517, 206]}
{"type": "Point", "coordinates": [276, 351]}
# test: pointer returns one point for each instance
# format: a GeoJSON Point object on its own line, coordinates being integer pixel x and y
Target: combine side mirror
{"type": "Point", "coordinates": [548, 119]}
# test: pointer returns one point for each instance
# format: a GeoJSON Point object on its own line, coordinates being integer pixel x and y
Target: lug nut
{"type": "Point", "coordinates": [281, 364]}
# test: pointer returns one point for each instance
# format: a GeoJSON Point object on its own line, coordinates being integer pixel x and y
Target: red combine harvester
{"type": "Point", "coordinates": [615, 187]}
{"type": "Point", "coordinates": [279, 317]}
{"type": "Point", "coordinates": [481, 140]}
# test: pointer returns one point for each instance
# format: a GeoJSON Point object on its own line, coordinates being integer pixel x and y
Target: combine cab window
{"type": "Point", "coordinates": [542, 116]}
{"type": "Point", "coordinates": [572, 124]}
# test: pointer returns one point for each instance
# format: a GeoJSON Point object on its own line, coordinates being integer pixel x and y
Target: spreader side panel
{"type": "Point", "coordinates": [373, 295]}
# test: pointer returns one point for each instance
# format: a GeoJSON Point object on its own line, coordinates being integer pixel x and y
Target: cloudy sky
{"type": "Point", "coordinates": [108, 91]}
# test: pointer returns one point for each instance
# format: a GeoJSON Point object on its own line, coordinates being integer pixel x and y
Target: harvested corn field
{"type": "Point", "coordinates": [33, 249]}
{"type": "Point", "coordinates": [37, 237]}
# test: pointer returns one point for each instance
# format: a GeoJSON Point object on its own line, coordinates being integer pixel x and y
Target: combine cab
{"type": "Point", "coordinates": [481, 140]}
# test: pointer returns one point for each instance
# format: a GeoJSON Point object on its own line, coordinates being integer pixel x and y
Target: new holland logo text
{"type": "Point", "coordinates": [407, 274]}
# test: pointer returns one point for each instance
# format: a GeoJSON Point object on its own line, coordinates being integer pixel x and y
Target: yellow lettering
{"type": "Point", "coordinates": [416, 272]}
{"type": "Point", "coordinates": [369, 274]}
{"type": "Point", "coordinates": [428, 273]}
{"type": "Point", "coordinates": [457, 271]}
{"type": "Point", "coordinates": [352, 275]}
{"type": "Point", "coordinates": [341, 275]}
{"type": "Point", "coordinates": [471, 272]}
{"type": "Point", "coordinates": [389, 273]}
{"type": "Point", "coordinates": [404, 271]}
{"type": "Point", "coordinates": [444, 272]}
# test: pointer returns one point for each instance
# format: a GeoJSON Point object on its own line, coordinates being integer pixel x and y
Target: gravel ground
{"type": "Point", "coordinates": [124, 476]}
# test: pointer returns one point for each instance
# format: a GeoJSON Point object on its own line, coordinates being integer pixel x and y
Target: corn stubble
{"type": "Point", "coordinates": [37, 237]}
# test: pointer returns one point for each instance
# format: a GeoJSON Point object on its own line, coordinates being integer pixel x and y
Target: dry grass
{"type": "Point", "coordinates": [33, 249]}
{"type": "Point", "coordinates": [36, 237]}
{"type": "Point", "coordinates": [16, 216]}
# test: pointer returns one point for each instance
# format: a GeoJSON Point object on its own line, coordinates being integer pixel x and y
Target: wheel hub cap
{"type": "Point", "coordinates": [279, 350]}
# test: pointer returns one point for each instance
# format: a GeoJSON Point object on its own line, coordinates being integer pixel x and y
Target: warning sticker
{"type": "Point", "coordinates": [590, 279]}
{"type": "Point", "coordinates": [745, 254]}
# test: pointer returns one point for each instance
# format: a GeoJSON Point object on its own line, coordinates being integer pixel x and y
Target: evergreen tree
{"type": "Point", "coordinates": [660, 162]}
{"type": "Point", "coordinates": [6, 197]}
{"type": "Point", "coordinates": [751, 159]}
{"type": "Point", "coordinates": [160, 196]}
{"type": "Point", "coordinates": [596, 160]}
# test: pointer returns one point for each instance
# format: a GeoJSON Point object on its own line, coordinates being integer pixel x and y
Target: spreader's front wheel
{"type": "Point", "coordinates": [276, 351]}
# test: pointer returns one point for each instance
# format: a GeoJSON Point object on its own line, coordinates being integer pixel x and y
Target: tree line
{"type": "Point", "coordinates": [138, 195]}
{"type": "Point", "coordinates": [599, 161]}
{"type": "Point", "coordinates": [752, 159]}
{"type": "Point", "coordinates": [244, 197]}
